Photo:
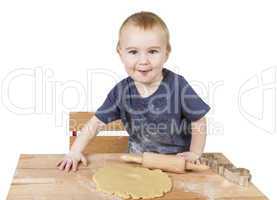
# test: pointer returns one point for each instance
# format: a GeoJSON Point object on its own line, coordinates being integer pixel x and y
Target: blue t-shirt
{"type": "Point", "coordinates": [158, 123]}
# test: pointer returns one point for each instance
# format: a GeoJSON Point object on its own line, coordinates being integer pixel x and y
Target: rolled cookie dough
{"type": "Point", "coordinates": [128, 181]}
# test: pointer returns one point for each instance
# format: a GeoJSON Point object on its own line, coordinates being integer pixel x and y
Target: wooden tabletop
{"type": "Point", "coordinates": [37, 178]}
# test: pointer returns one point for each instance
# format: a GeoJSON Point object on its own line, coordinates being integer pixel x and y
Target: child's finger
{"type": "Point", "coordinates": [68, 165]}
{"type": "Point", "coordinates": [58, 163]}
{"type": "Point", "coordinates": [84, 160]}
{"type": "Point", "coordinates": [75, 165]}
{"type": "Point", "coordinates": [183, 155]}
{"type": "Point", "coordinates": [191, 161]}
{"type": "Point", "coordinates": [62, 165]}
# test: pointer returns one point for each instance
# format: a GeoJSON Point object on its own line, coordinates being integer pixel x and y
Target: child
{"type": "Point", "coordinates": [159, 109]}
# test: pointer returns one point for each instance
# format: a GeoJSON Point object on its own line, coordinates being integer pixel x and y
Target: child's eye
{"type": "Point", "coordinates": [133, 52]}
{"type": "Point", "coordinates": [153, 51]}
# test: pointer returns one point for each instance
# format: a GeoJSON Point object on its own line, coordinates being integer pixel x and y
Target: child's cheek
{"type": "Point", "coordinates": [157, 63]}
{"type": "Point", "coordinates": [129, 68]}
{"type": "Point", "coordinates": [131, 64]}
{"type": "Point", "coordinates": [128, 61]}
{"type": "Point", "coordinates": [156, 59]}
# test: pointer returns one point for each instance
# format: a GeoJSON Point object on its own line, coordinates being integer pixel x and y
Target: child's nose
{"type": "Point", "coordinates": [143, 59]}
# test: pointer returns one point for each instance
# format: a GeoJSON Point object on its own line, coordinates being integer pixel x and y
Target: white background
{"type": "Point", "coordinates": [226, 49]}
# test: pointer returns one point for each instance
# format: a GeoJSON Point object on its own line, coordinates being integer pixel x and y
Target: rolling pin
{"type": "Point", "coordinates": [170, 163]}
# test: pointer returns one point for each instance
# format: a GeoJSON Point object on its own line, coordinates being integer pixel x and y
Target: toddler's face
{"type": "Point", "coordinates": [143, 53]}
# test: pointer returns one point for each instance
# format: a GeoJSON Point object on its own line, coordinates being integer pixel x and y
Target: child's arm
{"type": "Point", "coordinates": [198, 140]}
{"type": "Point", "coordinates": [88, 132]}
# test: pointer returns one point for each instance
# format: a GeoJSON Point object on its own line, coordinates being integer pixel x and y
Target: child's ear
{"type": "Point", "coordinates": [118, 49]}
{"type": "Point", "coordinates": [119, 52]}
{"type": "Point", "coordinates": [166, 55]}
{"type": "Point", "coordinates": [168, 50]}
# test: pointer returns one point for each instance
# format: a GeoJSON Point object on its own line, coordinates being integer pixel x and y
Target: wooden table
{"type": "Point", "coordinates": [37, 178]}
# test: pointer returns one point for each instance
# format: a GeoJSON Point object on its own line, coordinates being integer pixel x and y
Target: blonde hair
{"type": "Point", "coordinates": [146, 20]}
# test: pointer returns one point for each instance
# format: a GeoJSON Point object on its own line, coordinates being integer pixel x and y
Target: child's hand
{"type": "Point", "coordinates": [71, 161]}
{"type": "Point", "coordinates": [189, 156]}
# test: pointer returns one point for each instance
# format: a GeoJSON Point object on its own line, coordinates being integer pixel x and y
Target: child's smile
{"type": "Point", "coordinates": [145, 72]}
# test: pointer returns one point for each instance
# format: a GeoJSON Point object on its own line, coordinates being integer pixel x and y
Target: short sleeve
{"type": "Point", "coordinates": [192, 106]}
{"type": "Point", "coordinates": [109, 110]}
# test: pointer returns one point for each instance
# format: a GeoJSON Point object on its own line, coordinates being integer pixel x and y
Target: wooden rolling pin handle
{"type": "Point", "coordinates": [165, 162]}
{"type": "Point", "coordinates": [132, 158]}
{"type": "Point", "coordinates": [170, 163]}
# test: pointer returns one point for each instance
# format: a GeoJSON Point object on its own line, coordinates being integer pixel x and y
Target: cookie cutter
{"type": "Point", "coordinates": [240, 176]}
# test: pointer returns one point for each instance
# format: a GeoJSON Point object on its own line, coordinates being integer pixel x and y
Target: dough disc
{"type": "Point", "coordinates": [128, 181]}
